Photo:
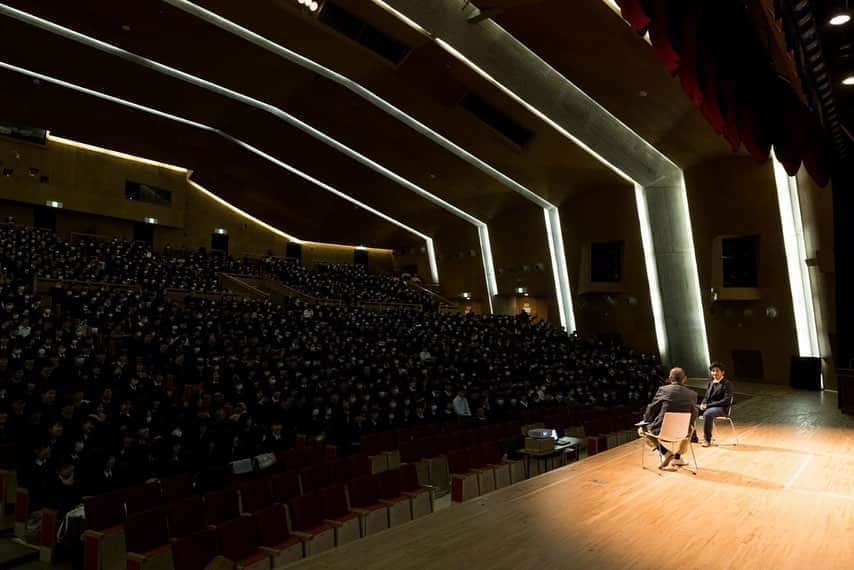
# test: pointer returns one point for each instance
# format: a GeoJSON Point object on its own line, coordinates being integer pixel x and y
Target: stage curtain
{"type": "Point", "coordinates": [725, 71]}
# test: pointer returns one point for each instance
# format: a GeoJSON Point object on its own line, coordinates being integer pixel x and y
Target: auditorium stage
{"type": "Point", "coordinates": [782, 498]}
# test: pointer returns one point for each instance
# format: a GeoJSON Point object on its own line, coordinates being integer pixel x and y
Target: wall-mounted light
{"type": "Point", "coordinates": [150, 220]}
{"type": "Point", "coordinates": [466, 295]}
{"type": "Point", "coordinates": [220, 231]}
{"type": "Point", "coordinates": [840, 19]}
{"type": "Point", "coordinates": [521, 290]}
{"type": "Point", "coordinates": [53, 204]}
{"type": "Point", "coordinates": [848, 80]}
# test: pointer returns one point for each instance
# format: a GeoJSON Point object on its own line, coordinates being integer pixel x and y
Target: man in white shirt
{"type": "Point", "coordinates": [461, 404]}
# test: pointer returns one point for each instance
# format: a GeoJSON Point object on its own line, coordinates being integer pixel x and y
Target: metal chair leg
{"type": "Point", "coordinates": [694, 457]}
{"type": "Point", "coordinates": [734, 435]}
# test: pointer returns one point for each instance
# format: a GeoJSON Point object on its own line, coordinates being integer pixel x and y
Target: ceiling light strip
{"type": "Point", "coordinates": [116, 154]}
{"type": "Point", "coordinates": [489, 267]}
{"type": "Point", "coordinates": [242, 213]}
{"type": "Point", "coordinates": [431, 254]}
{"type": "Point", "coordinates": [230, 94]}
{"type": "Point", "coordinates": [795, 248]}
{"type": "Point", "coordinates": [245, 99]}
{"type": "Point", "coordinates": [356, 88]}
{"type": "Point", "coordinates": [651, 271]}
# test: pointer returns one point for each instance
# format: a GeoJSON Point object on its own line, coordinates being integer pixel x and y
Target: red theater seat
{"type": "Point", "coordinates": [336, 511]}
{"type": "Point", "coordinates": [307, 521]}
{"type": "Point", "coordinates": [273, 537]}
{"type": "Point", "coordinates": [195, 551]}
{"type": "Point", "coordinates": [255, 494]}
{"type": "Point", "coordinates": [464, 481]}
{"type": "Point", "coordinates": [221, 506]}
{"type": "Point", "coordinates": [420, 496]}
{"type": "Point", "coordinates": [239, 542]}
{"type": "Point", "coordinates": [285, 486]}
{"type": "Point", "coordinates": [365, 502]}
{"type": "Point", "coordinates": [147, 539]}
{"type": "Point", "coordinates": [144, 497]}
{"type": "Point", "coordinates": [104, 538]}
{"type": "Point", "coordinates": [315, 477]}
{"type": "Point", "coordinates": [397, 504]}
{"type": "Point", "coordinates": [177, 488]}
{"type": "Point", "coordinates": [186, 517]}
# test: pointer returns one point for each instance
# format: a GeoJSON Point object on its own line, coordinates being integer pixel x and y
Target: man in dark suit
{"type": "Point", "coordinates": [672, 397]}
{"type": "Point", "coordinates": [716, 402]}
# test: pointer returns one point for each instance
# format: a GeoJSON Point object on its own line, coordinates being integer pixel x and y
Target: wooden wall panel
{"type": "Point", "coordinates": [737, 196]}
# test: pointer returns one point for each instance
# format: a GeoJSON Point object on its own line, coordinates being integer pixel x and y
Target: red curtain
{"type": "Point", "coordinates": [713, 49]}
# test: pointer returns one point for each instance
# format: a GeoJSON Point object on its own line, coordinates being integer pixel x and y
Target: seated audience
{"type": "Point", "coordinates": [113, 385]}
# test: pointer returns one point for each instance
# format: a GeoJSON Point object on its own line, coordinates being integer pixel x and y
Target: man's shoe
{"type": "Point", "coordinates": [679, 462]}
{"type": "Point", "coordinates": [707, 443]}
{"type": "Point", "coordinates": [665, 461]}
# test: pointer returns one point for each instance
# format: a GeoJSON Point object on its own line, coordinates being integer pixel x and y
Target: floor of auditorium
{"type": "Point", "coordinates": [782, 498]}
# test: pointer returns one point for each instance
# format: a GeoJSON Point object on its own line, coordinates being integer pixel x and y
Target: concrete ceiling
{"type": "Point", "coordinates": [428, 84]}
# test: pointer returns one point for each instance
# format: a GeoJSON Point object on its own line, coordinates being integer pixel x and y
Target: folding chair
{"type": "Point", "coordinates": [675, 429]}
{"type": "Point", "coordinates": [727, 418]}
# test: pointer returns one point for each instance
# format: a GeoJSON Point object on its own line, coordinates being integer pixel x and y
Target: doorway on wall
{"type": "Point", "coordinates": [44, 217]}
{"type": "Point", "coordinates": [360, 257]}
{"type": "Point", "coordinates": [143, 232]}
{"type": "Point", "coordinates": [219, 242]}
{"type": "Point", "coordinates": [293, 252]}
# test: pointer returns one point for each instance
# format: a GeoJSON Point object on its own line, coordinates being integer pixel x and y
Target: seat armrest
{"type": "Point", "coordinates": [337, 524]}
{"type": "Point", "coordinates": [360, 512]}
{"type": "Point", "coordinates": [304, 536]}
{"type": "Point", "coordinates": [269, 551]}
{"type": "Point", "coordinates": [89, 533]}
{"type": "Point", "coordinates": [136, 557]}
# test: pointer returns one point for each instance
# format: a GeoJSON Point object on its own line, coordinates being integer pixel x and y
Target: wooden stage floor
{"type": "Point", "coordinates": [782, 498]}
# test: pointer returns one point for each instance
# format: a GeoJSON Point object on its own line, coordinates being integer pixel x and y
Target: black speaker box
{"type": "Point", "coordinates": [805, 372]}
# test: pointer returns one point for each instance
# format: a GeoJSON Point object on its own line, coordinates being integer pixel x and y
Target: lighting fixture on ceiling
{"type": "Point", "coordinates": [840, 19]}
{"type": "Point", "coordinates": [311, 5]}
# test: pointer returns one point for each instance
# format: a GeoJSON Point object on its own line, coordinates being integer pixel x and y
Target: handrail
{"type": "Point", "coordinates": [234, 279]}
{"type": "Point", "coordinates": [174, 294]}
{"type": "Point", "coordinates": [442, 300]}
{"type": "Point", "coordinates": [98, 237]}
{"type": "Point", "coordinates": [390, 305]}
{"type": "Point", "coordinates": [43, 284]}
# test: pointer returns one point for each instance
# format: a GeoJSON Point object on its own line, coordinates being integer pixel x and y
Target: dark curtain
{"type": "Point", "coordinates": [711, 45]}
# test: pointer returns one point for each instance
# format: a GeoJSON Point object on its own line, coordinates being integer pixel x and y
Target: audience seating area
{"type": "Point", "coordinates": [140, 432]}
